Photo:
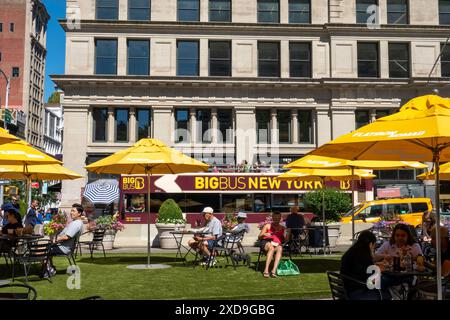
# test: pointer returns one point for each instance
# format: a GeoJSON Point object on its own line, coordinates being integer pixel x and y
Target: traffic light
{"type": "Point", "coordinates": [11, 190]}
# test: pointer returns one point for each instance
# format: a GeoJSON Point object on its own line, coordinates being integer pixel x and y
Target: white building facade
{"type": "Point", "coordinates": [229, 81]}
{"type": "Point", "coordinates": [53, 129]}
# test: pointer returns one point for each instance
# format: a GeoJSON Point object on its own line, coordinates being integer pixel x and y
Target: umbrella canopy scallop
{"type": "Point", "coordinates": [6, 137]}
{"type": "Point", "coordinates": [38, 172]}
{"type": "Point", "coordinates": [20, 152]}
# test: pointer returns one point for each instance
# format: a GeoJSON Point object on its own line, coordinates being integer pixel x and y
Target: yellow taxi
{"type": "Point", "coordinates": [409, 210]}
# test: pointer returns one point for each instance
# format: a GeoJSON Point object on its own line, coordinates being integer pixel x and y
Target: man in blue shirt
{"type": "Point", "coordinates": [13, 204]}
{"type": "Point", "coordinates": [31, 217]}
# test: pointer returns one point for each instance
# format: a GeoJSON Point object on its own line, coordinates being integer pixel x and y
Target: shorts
{"type": "Point", "coordinates": [210, 243]}
{"type": "Point", "coordinates": [262, 244]}
{"type": "Point", "coordinates": [55, 250]}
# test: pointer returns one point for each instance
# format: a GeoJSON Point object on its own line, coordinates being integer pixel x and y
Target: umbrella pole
{"type": "Point", "coordinates": [148, 223]}
{"type": "Point", "coordinates": [324, 241]}
{"type": "Point", "coordinates": [438, 225]}
{"type": "Point", "coordinates": [353, 204]}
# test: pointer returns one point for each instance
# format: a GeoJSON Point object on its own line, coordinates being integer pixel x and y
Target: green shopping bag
{"type": "Point", "coordinates": [287, 268]}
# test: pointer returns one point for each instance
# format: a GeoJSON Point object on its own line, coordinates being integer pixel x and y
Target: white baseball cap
{"type": "Point", "coordinates": [208, 210]}
{"type": "Point", "coordinates": [241, 215]}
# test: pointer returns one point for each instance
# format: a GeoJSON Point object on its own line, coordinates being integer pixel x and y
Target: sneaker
{"type": "Point", "coordinates": [52, 271]}
{"type": "Point", "coordinates": [213, 262]}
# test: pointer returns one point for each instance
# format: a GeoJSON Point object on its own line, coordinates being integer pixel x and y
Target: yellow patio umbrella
{"type": "Point", "coordinates": [20, 153]}
{"type": "Point", "coordinates": [419, 132]}
{"type": "Point", "coordinates": [6, 137]}
{"type": "Point", "coordinates": [147, 156]}
{"type": "Point", "coordinates": [325, 175]}
{"type": "Point", "coordinates": [321, 162]}
{"type": "Point", "coordinates": [38, 172]}
{"type": "Point", "coordinates": [444, 173]}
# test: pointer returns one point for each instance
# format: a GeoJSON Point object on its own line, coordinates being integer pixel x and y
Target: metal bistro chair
{"type": "Point", "coordinates": [29, 294]}
{"type": "Point", "coordinates": [97, 240]}
{"type": "Point", "coordinates": [37, 252]}
{"type": "Point", "coordinates": [72, 253]}
{"type": "Point", "coordinates": [336, 282]}
{"type": "Point", "coordinates": [263, 252]}
{"type": "Point", "coordinates": [229, 246]}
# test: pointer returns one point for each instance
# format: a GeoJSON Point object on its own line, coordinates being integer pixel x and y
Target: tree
{"type": "Point", "coordinates": [336, 203]}
{"type": "Point", "coordinates": [55, 97]}
{"type": "Point", "coordinates": [170, 212]}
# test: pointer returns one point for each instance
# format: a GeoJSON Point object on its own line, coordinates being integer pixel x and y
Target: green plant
{"type": "Point", "coordinates": [170, 212]}
{"type": "Point", "coordinates": [56, 224]}
{"type": "Point", "coordinates": [336, 202]}
{"type": "Point", "coordinates": [107, 222]}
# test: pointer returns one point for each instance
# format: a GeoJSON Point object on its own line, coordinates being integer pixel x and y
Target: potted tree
{"type": "Point", "coordinates": [335, 202]}
{"type": "Point", "coordinates": [170, 218]}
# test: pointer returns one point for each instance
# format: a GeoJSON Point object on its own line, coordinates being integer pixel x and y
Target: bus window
{"type": "Point", "coordinates": [262, 202]}
{"type": "Point", "coordinates": [237, 202]}
{"type": "Point", "coordinates": [284, 202]}
{"type": "Point", "coordinates": [135, 202]}
{"type": "Point", "coordinates": [195, 202]}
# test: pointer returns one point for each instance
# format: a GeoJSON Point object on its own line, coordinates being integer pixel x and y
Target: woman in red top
{"type": "Point", "coordinates": [271, 238]}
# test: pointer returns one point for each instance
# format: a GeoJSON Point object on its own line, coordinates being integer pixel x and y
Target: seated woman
{"type": "Point", "coordinates": [354, 264]}
{"type": "Point", "coordinates": [14, 222]}
{"type": "Point", "coordinates": [271, 238]}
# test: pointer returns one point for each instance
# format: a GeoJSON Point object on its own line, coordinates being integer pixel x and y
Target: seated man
{"type": "Point", "coordinates": [242, 225]}
{"type": "Point", "coordinates": [213, 229]}
{"type": "Point", "coordinates": [64, 243]}
{"type": "Point", "coordinates": [294, 222]}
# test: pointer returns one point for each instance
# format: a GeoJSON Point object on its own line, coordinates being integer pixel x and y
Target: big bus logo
{"type": "Point", "coordinates": [133, 183]}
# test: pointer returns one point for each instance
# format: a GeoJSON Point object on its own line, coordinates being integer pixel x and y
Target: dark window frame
{"type": "Point", "coordinates": [182, 10]}
{"type": "Point", "coordinates": [1, 26]}
{"type": "Point", "coordinates": [225, 139]}
{"type": "Point", "coordinates": [360, 12]}
{"type": "Point", "coordinates": [106, 57]}
{"type": "Point", "coordinates": [15, 72]}
{"type": "Point", "coordinates": [97, 7]}
{"type": "Point", "coordinates": [269, 129]}
{"type": "Point", "coordinates": [365, 112]}
{"type": "Point", "coordinates": [408, 61]}
{"type": "Point", "coordinates": [397, 12]}
{"type": "Point", "coordinates": [359, 60]}
{"type": "Point", "coordinates": [297, 11]}
{"type": "Point", "coordinates": [211, 60]}
{"type": "Point", "coordinates": [94, 136]}
{"type": "Point", "coordinates": [292, 61]}
{"type": "Point", "coordinates": [289, 122]}
{"type": "Point", "coordinates": [230, 12]}
{"type": "Point", "coordinates": [445, 62]}
{"type": "Point", "coordinates": [149, 8]}
{"type": "Point", "coordinates": [188, 59]}
{"type": "Point", "coordinates": [258, 11]}
{"type": "Point", "coordinates": [146, 59]}
{"type": "Point", "coordinates": [201, 137]}
{"type": "Point", "coordinates": [188, 122]}
{"type": "Point", "coordinates": [443, 13]}
{"type": "Point", "coordinates": [268, 60]}
{"type": "Point", "coordinates": [149, 128]}
{"type": "Point", "coordinates": [310, 127]}
{"type": "Point", "coordinates": [116, 131]}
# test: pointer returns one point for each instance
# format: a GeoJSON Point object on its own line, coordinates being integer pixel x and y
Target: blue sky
{"type": "Point", "coordinates": [56, 43]}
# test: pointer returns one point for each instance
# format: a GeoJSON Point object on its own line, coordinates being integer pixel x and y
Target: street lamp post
{"type": "Point", "coordinates": [8, 83]}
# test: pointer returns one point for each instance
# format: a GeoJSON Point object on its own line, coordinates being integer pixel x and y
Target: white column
{"type": "Point", "coordinates": [323, 130]}
{"type": "Point", "coordinates": [163, 123]}
{"type": "Point", "coordinates": [132, 129]}
{"type": "Point", "coordinates": [121, 56]}
{"type": "Point", "coordinates": [204, 54]}
{"type": "Point", "coordinates": [384, 59]}
{"type": "Point", "coordinates": [284, 11]}
{"type": "Point", "coordinates": [294, 119]}
{"type": "Point", "coordinates": [273, 127]}
{"type": "Point", "coordinates": [246, 133]}
{"type": "Point", "coordinates": [123, 10]}
{"type": "Point", "coordinates": [214, 127]}
{"type": "Point", "coordinates": [204, 10]}
{"type": "Point", "coordinates": [284, 59]}
{"type": "Point", "coordinates": [111, 133]}
{"type": "Point", "coordinates": [193, 125]}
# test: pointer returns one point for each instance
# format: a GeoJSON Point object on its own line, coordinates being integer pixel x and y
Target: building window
{"type": "Point", "coordinates": [203, 117]}
{"type": "Point", "coordinates": [362, 118]}
{"type": "Point", "coordinates": [187, 58]}
{"type": "Point", "coordinates": [220, 10]}
{"type": "Point", "coordinates": [188, 10]}
{"type": "Point", "coordinates": [139, 10]}
{"type": "Point", "coordinates": [398, 60]}
{"type": "Point", "coordinates": [397, 12]}
{"type": "Point", "coordinates": [363, 10]}
{"type": "Point", "coordinates": [284, 126]}
{"type": "Point", "coordinates": [382, 113]}
{"type": "Point", "coordinates": [299, 11]}
{"type": "Point", "coordinates": [15, 72]}
{"type": "Point", "coordinates": [219, 58]}
{"type": "Point", "coordinates": [305, 126]}
{"type": "Point", "coordinates": [100, 124]}
{"type": "Point", "coordinates": [11, 27]}
{"type": "Point", "coordinates": [268, 59]}
{"type": "Point", "coordinates": [225, 124]}
{"type": "Point", "coordinates": [138, 57]}
{"type": "Point", "coordinates": [143, 118]}
{"type": "Point", "coordinates": [368, 60]}
{"type": "Point", "coordinates": [0, 56]}
{"type": "Point", "coordinates": [1, 27]}
{"type": "Point", "coordinates": [268, 11]}
{"type": "Point", "coordinates": [105, 56]}
{"type": "Point", "coordinates": [182, 125]}
{"type": "Point", "coordinates": [445, 60]}
{"type": "Point", "coordinates": [121, 124]}
{"type": "Point", "coordinates": [300, 59]}
{"type": "Point", "coordinates": [444, 11]}
{"type": "Point", "coordinates": [107, 9]}
{"type": "Point", "coordinates": [263, 126]}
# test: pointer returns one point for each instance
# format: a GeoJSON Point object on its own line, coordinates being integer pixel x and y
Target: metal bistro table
{"type": "Point", "coordinates": [179, 241]}
{"type": "Point", "coordinates": [407, 274]}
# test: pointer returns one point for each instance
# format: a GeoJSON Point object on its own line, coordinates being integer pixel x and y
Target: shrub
{"type": "Point", "coordinates": [336, 203]}
{"type": "Point", "coordinates": [170, 212]}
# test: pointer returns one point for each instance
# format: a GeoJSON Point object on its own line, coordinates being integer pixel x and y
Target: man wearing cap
{"type": "Point", "coordinates": [13, 204]}
{"type": "Point", "coordinates": [213, 230]}
{"type": "Point", "coordinates": [241, 216]}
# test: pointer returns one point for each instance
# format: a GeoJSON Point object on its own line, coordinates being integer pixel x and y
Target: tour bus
{"type": "Point", "coordinates": [255, 193]}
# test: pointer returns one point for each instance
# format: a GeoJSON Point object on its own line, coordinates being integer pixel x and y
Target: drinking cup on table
{"type": "Point", "coordinates": [10, 231]}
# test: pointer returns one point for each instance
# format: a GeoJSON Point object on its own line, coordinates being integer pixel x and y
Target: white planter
{"type": "Point", "coordinates": [108, 240]}
{"type": "Point", "coordinates": [333, 234]}
{"type": "Point", "coordinates": [166, 239]}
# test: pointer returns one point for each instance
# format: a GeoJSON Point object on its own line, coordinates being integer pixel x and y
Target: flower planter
{"type": "Point", "coordinates": [333, 234]}
{"type": "Point", "coordinates": [108, 240]}
{"type": "Point", "coordinates": [166, 239]}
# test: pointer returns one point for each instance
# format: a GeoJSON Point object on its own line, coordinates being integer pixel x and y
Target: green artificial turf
{"type": "Point", "coordinates": [110, 279]}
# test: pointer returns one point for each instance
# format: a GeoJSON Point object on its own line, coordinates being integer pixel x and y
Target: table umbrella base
{"type": "Point", "coordinates": [148, 266]}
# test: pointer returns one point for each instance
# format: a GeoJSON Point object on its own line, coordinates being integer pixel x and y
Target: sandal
{"type": "Point", "coordinates": [273, 275]}
{"type": "Point", "coordinates": [266, 275]}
